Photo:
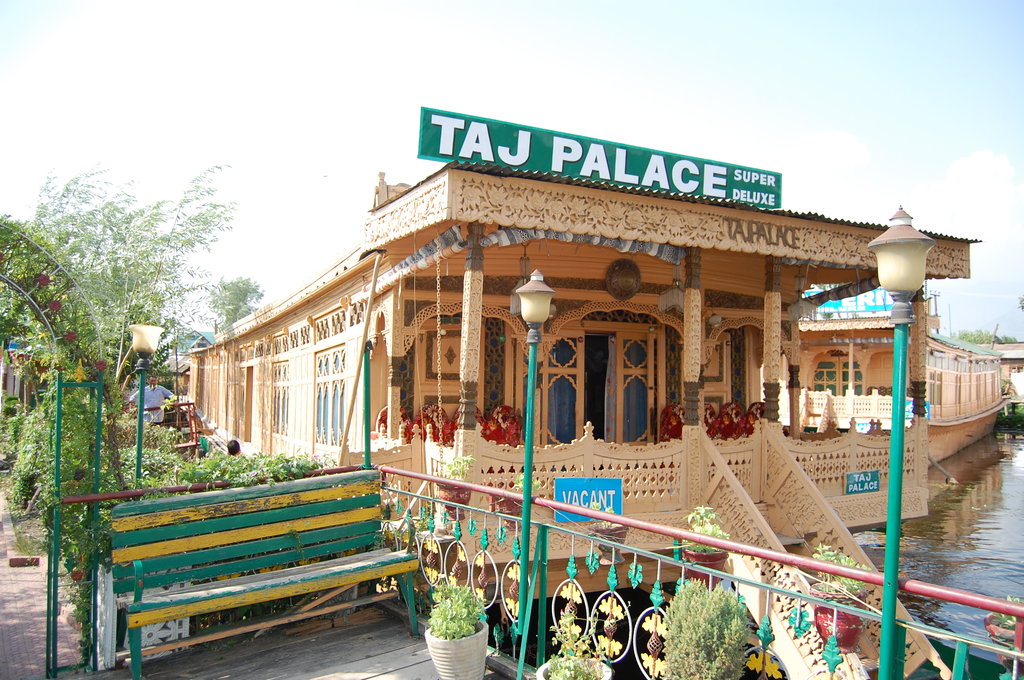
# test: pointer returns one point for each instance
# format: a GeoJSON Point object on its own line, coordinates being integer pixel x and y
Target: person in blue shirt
{"type": "Point", "coordinates": [153, 398]}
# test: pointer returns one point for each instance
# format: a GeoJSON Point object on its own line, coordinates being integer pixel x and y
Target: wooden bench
{"type": "Point", "coordinates": [237, 547]}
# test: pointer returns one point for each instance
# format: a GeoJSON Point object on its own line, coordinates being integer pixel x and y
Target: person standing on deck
{"type": "Point", "coordinates": [153, 399]}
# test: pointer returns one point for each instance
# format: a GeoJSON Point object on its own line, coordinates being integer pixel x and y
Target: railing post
{"type": "Point", "coordinates": [541, 556]}
{"type": "Point", "coordinates": [891, 653]}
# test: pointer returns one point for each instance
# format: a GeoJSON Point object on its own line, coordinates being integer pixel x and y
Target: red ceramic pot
{"type": "Point", "coordinates": [711, 560]}
{"type": "Point", "coordinates": [1002, 636]}
{"type": "Point", "coordinates": [454, 494]}
{"type": "Point", "coordinates": [507, 506]}
{"type": "Point", "coordinates": [847, 626]}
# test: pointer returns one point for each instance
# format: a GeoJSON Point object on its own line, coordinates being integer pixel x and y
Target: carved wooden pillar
{"type": "Point", "coordinates": [693, 339]}
{"type": "Point", "coordinates": [472, 310]}
{"type": "Point", "coordinates": [917, 367]}
{"type": "Point", "coordinates": [771, 359]}
{"type": "Point", "coordinates": [396, 348]}
{"type": "Point", "coordinates": [793, 387]}
{"type": "Point", "coordinates": [918, 360]}
{"type": "Point", "coordinates": [693, 416]}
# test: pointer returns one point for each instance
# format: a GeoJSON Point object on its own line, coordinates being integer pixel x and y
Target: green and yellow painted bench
{"type": "Point", "coordinates": [237, 547]}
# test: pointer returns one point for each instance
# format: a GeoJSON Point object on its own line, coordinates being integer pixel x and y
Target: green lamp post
{"type": "Point", "coordinates": [901, 252]}
{"type": "Point", "coordinates": [535, 307]}
{"type": "Point", "coordinates": [145, 340]}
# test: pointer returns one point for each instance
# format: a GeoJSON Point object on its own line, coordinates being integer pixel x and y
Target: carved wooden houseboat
{"type": "Point", "coordinates": [673, 348]}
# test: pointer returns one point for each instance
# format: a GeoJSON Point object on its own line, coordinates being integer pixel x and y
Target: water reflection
{"type": "Point", "coordinates": [973, 537]}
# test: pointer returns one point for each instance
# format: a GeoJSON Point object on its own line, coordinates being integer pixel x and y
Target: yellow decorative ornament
{"type": "Point", "coordinates": [760, 661]}
{"type": "Point", "coordinates": [571, 592]}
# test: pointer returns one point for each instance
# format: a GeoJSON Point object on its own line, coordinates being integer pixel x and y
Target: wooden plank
{"type": "Point", "coordinates": [252, 519]}
{"type": "Point", "coordinates": [232, 568]}
{"type": "Point", "coordinates": [211, 511]}
{"type": "Point", "coordinates": [179, 545]}
{"type": "Point", "coordinates": [227, 495]}
{"type": "Point", "coordinates": [267, 623]}
{"type": "Point", "coordinates": [370, 648]}
{"type": "Point", "coordinates": [321, 581]}
{"type": "Point", "coordinates": [303, 540]}
{"type": "Point", "coordinates": [248, 582]}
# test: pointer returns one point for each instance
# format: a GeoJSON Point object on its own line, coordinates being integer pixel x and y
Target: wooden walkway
{"type": "Point", "coordinates": [371, 645]}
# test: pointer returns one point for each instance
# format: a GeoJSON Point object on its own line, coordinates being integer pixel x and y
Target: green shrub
{"type": "Point", "coordinates": [1005, 620]}
{"type": "Point", "coordinates": [707, 634]}
{"type": "Point", "coordinates": [456, 612]}
{"type": "Point", "coordinates": [1014, 420]}
{"type": "Point", "coordinates": [576, 658]}
{"type": "Point", "coordinates": [457, 468]}
{"type": "Point", "coordinates": [704, 520]}
{"type": "Point", "coordinates": [840, 585]}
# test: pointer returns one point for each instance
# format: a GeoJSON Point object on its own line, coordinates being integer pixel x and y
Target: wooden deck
{"type": "Point", "coordinates": [371, 644]}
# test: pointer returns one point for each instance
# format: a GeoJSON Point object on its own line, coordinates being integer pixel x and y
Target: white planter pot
{"type": "Point", "coordinates": [606, 670]}
{"type": "Point", "coordinates": [462, 659]}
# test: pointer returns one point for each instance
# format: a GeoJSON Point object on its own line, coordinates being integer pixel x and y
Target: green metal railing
{"type": "Point", "coordinates": [459, 543]}
{"type": "Point", "coordinates": [53, 562]}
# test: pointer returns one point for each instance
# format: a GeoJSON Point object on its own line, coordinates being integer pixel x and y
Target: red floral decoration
{"type": "Point", "coordinates": [671, 424]}
{"type": "Point", "coordinates": [43, 280]}
{"type": "Point", "coordinates": [55, 306]}
{"type": "Point", "coordinates": [101, 365]}
{"type": "Point", "coordinates": [70, 336]}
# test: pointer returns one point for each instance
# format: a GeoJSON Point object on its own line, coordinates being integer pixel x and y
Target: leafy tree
{"type": "Point", "coordinates": [131, 264]}
{"type": "Point", "coordinates": [132, 259]}
{"type": "Point", "coordinates": [233, 299]}
{"type": "Point", "coordinates": [982, 337]}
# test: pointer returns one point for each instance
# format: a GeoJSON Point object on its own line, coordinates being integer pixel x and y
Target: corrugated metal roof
{"type": "Point", "coordinates": [501, 171]}
{"type": "Point", "coordinates": [964, 345]}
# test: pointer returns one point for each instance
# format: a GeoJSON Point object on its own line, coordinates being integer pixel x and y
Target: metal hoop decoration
{"type": "Point", "coordinates": [560, 593]}
{"type": "Point", "coordinates": [430, 545]}
{"type": "Point", "coordinates": [461, 557]}
{"type": "Point", "coordinates": [508, 602]}
{"type": "Point", "coordinates": [657, 628]}
{"type": "Point", "coordinates": [614, 599]}
{"type": "Point", "coordinates": [477, 568]}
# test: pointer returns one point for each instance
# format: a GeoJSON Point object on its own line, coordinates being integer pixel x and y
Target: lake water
{"type": "Point", "coordinates": [973, 537]}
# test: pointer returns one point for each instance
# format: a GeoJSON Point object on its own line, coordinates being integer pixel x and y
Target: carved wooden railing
{"type": "Point", "coordinates": [745, 523]}
{"type": "Point", "coordinates": [656, 479]}
{"type": "Point", "coordinates": [798, 509]}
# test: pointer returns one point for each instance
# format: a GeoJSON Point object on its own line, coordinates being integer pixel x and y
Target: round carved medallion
{"type": "Point", "coordinates": [622, 279]}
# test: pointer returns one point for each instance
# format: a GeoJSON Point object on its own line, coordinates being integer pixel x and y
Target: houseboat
{"type": "Point", "coordinates": [963, 387]}
{"type": "Point", "coordinates": [673, 359]}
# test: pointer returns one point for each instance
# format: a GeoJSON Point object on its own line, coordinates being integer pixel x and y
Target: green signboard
{"type": "Point", "coordinates": [862, 482]}
{"type": "Point", "coordinates": [446, 136]}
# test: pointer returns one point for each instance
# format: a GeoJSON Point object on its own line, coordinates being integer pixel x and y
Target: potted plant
{"type": "Point", "coordinates": [457, 468]}
{"type": "Point", "coordinates": [456, 633]}
{"type": "Point", "coordinates": [576, 658]}
{"type": "Point", "coordinates": [609, 531]}
{"type": "Point", "coordinates": [1001, 628]}
{"type": "Point", "coordinates": [842, 590]}
{"type": "Point", "coordinates": [704, 520]}
{"type": "Point", "coordinates": [706, 634]}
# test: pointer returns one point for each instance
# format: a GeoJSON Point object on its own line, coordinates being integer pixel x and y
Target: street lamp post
{"type": "Point", "coordinates": [901, 252]}
{"type": "Point", "coordinates": [535, 297]}
{"type": "Point", "coordinates": [145, 340]}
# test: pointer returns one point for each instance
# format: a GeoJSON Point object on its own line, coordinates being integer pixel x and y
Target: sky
{"type": "Point", "coordinates": [863, 107]}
